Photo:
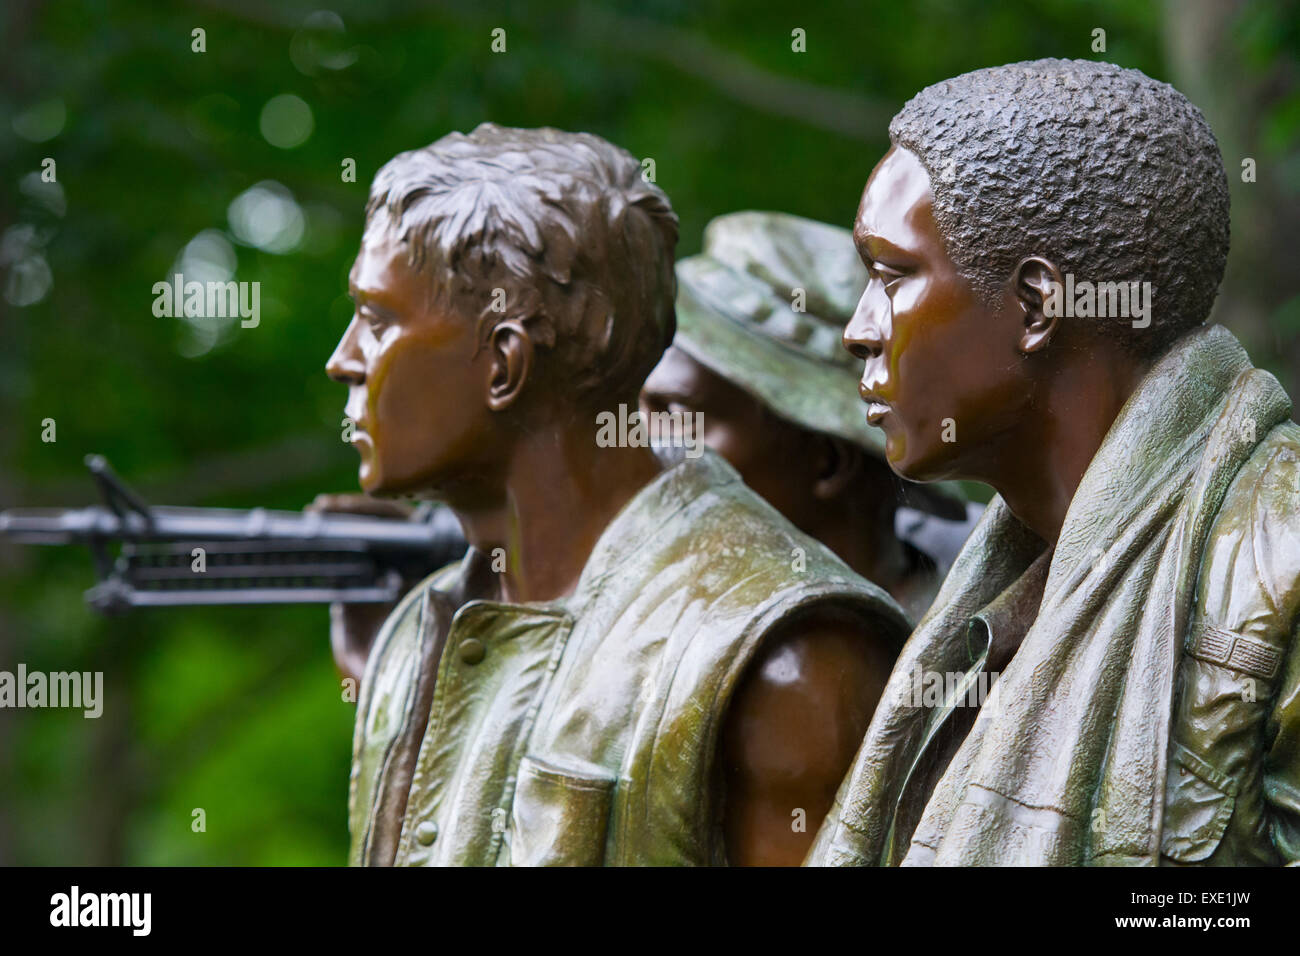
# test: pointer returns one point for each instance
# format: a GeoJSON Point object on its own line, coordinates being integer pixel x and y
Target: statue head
{"type": "Point", "coordinates": [504, 276]}
{"type": "Point", "coordinates": [1004, 190]}
{"type": "Point", "coordinates": [760, 312]}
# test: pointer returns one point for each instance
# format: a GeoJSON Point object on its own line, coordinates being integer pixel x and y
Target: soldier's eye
{"type": "Point", "coordinates": [377, 325]}
{"type": "Point", "coordinates": [888, 275]}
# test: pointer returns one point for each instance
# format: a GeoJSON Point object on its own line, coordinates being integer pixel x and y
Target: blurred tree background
{"type": "Point", "coordinates": [228, 163]}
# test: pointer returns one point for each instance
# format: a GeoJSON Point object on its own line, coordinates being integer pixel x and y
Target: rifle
{"type": "Point", "coordinates": [252, 556]}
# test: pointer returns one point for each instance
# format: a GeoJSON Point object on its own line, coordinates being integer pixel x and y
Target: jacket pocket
{"type": "Point", "coordinates": [560, 815]}
{"type": "Point", "coordinates": [1199, 801]}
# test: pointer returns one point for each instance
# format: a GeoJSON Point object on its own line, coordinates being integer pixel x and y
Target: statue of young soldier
{"type": "Point", "coordinates": [758, 354]}
{"type": "Point", "coordinates": [1129, 602]}
{"type": "Point", "coordinates": [627, 667]}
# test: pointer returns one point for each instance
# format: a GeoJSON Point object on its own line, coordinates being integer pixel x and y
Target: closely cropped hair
{"type": "Point", "coordinates": [564, 223]}
{"type": "Point", "coordinates": [1108, 173]}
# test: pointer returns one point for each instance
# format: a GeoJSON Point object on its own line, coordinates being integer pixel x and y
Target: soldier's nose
{"type": "Point", "coordinates": [346, 365]}
{"type": "Point", "coordinates": [863, 336]}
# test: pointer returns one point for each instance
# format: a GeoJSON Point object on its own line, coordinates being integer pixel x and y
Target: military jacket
{"type": "Point", "coordinates": [585, 731]}
{"type": "Point", "coordinates": [1143, 675]}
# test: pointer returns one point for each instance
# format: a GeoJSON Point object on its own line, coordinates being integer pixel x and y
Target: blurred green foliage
{"type": "Point", "coordinates": [238, 711]}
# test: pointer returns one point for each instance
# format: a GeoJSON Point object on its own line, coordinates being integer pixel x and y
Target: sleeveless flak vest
{"type": "Point", "coordinates": [585, 731]}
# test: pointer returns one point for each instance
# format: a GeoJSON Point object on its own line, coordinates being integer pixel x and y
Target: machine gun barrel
{"type": "Point", "coordinates": [81, 525]}
{"type": "Point", "coordinates": [172, 556]}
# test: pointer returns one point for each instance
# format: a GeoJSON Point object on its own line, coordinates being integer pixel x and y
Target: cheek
{"type": "Point", "coordinates": [966, 391]}
{"type": "Point", "coordinates": [942, 357]}
{"type": "Point", "coordinates": [728, 441]}
{"type": "Point", "coordinates": [920, 366]}
{"type": "Point", "coordinates": [401, 386]}
{"type": "Point", "coordinates": [761, 458]}
{"type": "Point", "coordinates": [417, 385]}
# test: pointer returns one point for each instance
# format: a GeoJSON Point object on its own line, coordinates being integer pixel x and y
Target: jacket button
{"type": "Point", "coordinates": [472, 651]}
{"type": "Point", "coordinates": [426, 833]}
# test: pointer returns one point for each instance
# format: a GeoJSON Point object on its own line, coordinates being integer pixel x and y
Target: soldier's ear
{"type": "Point", "coordinates": [838, 464]}
{"type": "Point", "coordinates": [511, 350]}
{"type": "Point", "coordinates": [1038, 290]}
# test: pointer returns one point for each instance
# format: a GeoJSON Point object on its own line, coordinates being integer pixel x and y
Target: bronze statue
{"type": "Point", "coordinates": [632, 664]}
{"type": "Point", "coordinates": [1109, 674]}
{"type": "Point", "coordinates": [757, 353]}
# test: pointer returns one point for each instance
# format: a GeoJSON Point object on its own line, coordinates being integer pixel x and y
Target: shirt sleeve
{"type": "Point", "coordinates": [1233, 794]}
{"type": "Point", "coordinates": [1277, 548]}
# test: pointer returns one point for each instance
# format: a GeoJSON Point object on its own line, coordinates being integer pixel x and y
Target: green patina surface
{"type": "Point", "coordinates": [1151, 712]}
{"type": "Point", "coordinates": [584, 731]}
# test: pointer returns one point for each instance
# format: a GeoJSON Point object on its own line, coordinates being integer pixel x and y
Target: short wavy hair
{"type": "Point", "coordinates": [564, 223]}
{"type": "Point", "coordinates": [1104, 171]}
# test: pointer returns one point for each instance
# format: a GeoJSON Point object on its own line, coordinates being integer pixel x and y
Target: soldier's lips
{"type": "Point", "coordinates": [876, 411]}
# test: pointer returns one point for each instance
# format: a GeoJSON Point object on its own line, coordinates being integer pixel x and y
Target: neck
{"type": "Point", "coordinates": [1037, 469]}
{"type": "Point", "coordinates": [555, 496]}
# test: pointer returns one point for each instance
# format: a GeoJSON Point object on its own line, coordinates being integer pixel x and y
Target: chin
{"type": "Point", "coordinates": [379, 482]}
{"type": "Point", "coordinates": [369, 478]}
{"type": "Point", "coordinates": [921, 466]}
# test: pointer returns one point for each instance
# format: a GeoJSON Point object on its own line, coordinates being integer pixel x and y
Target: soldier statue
{"type": "Point", "coordinates": [633, 664]}
{"type": "Point", "coordinates": [1116, 643]}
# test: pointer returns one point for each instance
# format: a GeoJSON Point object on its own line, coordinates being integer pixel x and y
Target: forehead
{"type": "Point", "coordinates": [897, 204]}
{"type": "Point", "coordinates": [682, 377]}
{"type": "Point", "coordinates": [381, 264]}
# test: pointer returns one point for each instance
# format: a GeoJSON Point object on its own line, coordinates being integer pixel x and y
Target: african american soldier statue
{"type": "Point", "coordinates": [758, 355]}
{"type": "Point", "coordinates": [633, 664]}
{"type": "Point", "coordinates": [1109, 674]}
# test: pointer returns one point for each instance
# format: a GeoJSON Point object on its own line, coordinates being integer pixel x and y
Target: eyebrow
{"type": "Point", "coordinates": [864, 240]}
{"type": "Point", "coordinates": [365, 299]}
